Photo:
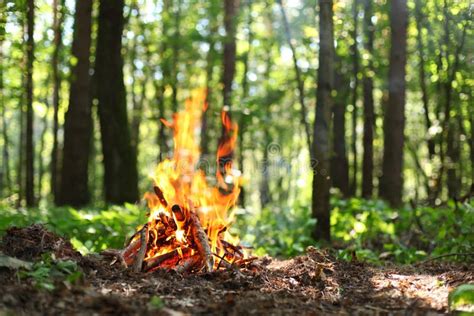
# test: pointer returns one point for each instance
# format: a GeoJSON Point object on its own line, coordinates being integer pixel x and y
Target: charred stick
{"type": "Point", "coordinates": [188, 264]}
{"type": "Point", "coordinates": [160, 196]}
{"type": "Point", "coordinates": [202, 242]}
{"type": "Point", "coordinates": [155, 262]}
{"type": "Point", "coordinates": [137, 265]}
{"type": "Point", "coordinates": [178, 212]}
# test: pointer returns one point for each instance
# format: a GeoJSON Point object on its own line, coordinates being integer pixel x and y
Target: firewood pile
{"type": "Point", "coordinates": [159, 245]}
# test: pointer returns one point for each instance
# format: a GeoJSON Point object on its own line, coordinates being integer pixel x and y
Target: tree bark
{"type": "Point", "coordinates": [6, 184]}
{"type": "Point", "coordinates": [369, 115]}
{"type": "Point", "coordinates": [230, 22]}
{"type": "Point", "coordinates": [299, 79]}
{"type": "Point", "coordinates": [211, 55]}
{"type": "Point", "coordinates": [30, 158]}
{"type": "Point", "coordinates": [355, 70]}
{"type": "Point", "coordinates": [58, 18]}
{"type": "Point", "coordinates": [422, 78]}
{"type": "Point", "coordinates": [321, 137]}
{"type": "Point", "coordinates": [245, 94]}
{"type": "Point", "coordinates": [78, 122]}
{"type": "Point", "coordinates": [120, 162]}
{"type": "Point", "coordinates": [175, 59]}
{"type": "Point", "coordinates": [394, 123]}
{"type": "Point", "coordinates": [339, 161]}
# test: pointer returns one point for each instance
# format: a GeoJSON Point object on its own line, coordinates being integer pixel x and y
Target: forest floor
{"type": "Point", "coordinates": [314, 283]}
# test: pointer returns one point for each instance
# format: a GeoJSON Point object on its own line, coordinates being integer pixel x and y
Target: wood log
{"type": "Point", "coordinates": [138, 264]}
{"type": "Point", "coordinates": [157, 261]}
{"type": "Point", "coordinates": [160, 196]}
{"type": "Point", "coordinates": [188, 264]}
{"type": "Point", "coordinates": [178, 212]}
{"type": "Point", "coordinates": [202, 242]}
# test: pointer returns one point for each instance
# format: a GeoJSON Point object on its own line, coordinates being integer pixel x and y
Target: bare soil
{"type": "Point", "coordinates": [312, 284]}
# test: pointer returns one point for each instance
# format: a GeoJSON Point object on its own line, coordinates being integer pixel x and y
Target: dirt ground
{"type": "Point", "coordinates": [312, 284]}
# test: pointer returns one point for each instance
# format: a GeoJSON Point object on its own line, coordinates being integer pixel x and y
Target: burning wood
{"type": "Point", "coordinates": [188, 219]}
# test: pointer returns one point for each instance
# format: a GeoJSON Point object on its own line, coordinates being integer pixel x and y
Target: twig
{"type": "Point", "coordinates": [443, 256]}
{"type": "Point", "coordinates": [202, 243]}
{"type": "Point", "coordinates": [137, 265]}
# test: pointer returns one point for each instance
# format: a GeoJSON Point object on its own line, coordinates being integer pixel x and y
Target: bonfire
{"type": "Point", "coordinates": [188, 219]}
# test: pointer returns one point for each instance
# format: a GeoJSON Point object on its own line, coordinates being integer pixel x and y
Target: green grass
{"type": "Point", "coordinates": [369, 228]}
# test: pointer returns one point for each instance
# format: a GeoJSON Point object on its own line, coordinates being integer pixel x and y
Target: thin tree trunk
{"type": "Point", "coordinates": [449, 128]}
{"type": "Point", "coordinates": [5, 152]}
{"type": "Point", "coordinates": [245, 93]}
{"type": "Point", "coordinates": [58, 18]}
{"type": "Point", "coordinates": [211, 55]}
{"type": "Point", "coordinates": [339, 162]}
{"type": "Point", "coordinates": [137, 100]}
{"type": "Point", "coordinates": [321, 135]}
{"type": "Point", "coordinates": [394, 124]}
{"type": "Point", "coordinates": [369, 115]}
{"type": "Point", "coordinates": [165, 79]}
{"type": "Point", "coordinates": [230, 21]}
{"type": "Point", "coordinates": [299, 79]}
{"type": "Point", "coordinates": [355, 70]}
{"type": "Point", "coordinates": [30, 158]}
{"type": "Point", "coordinates": [74, 188]}
{"type": "Point", "coordinates": [42, 145]}
{"type": "Point", "coordinates": [120, 161]}
{"type": "Point", "coordinates": [422, 77]}
{"type": "Point", "coordinates": [175, 63]}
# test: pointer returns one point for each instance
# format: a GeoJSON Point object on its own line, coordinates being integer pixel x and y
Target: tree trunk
{"type": "Point", "coordinates": [449, 126]}
{"type": "Point", "coordinates": [120, 162]}
{"type": "Point", "coordinates": [30, 150]}
{"type": "Point", "coordinates": [5, 152]}
{"type": "Point", "coordinates": [422, 78]}
{"type": "Point", "coordinates": [42, 144]}
{"type": "Point", "coordinates": [58, 18]}
{"type": "Point", "coordinates": [339, 162]}
{"type": "Point", "coordinates": [175, 60]}
{"type": "Point", "coordinates": [369, 116]}
{"type": "Point", "coordinates": [299, 79]}
{"type": "Point", "coordinates": [394, 123]}
{"type": "Point", "coordinates": [74, 188]}
{"type": "Point", "coordinates": [321, 137]}
{"type": "Point", "coordinates": [245, 94]}
{"type": "Point", "coordinates": [355, 70]}
{"type": "Point", "coordinates": [230, 22]}
{"type": "Point", "coordinates": [211, 55]}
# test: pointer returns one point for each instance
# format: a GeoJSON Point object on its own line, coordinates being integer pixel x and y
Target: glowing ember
{"type": "Point", "coordinates": [188, 222]}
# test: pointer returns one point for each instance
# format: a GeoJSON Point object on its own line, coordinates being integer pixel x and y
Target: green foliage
{"type": "Point", "coordinates": [156, 302]}
{"type": "Point", "coordinates": [462, 298]}
{"type": "Point", "coordinates": [278, 231]}
{"type": "Point", "coordinates": [49, 270]}
{"type": "Point", "coordinates": [367, 230]}
{"type": "Point", "coordinates": [89, 229]}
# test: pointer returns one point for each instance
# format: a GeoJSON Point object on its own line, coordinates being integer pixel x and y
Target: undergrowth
{"type": "Point", "coordinates": [367, 230]}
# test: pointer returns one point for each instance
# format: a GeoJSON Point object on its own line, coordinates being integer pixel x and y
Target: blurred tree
{"type": "Point", "coordinates": [369, 115]}
{"type": "Point", "coordinates": [355, 87]}
{"type": "Point", "coordinates": [391, 185]}
{"type": "Point", "coordinates": [321, 135]}
{"type": "Point", "coordinates": [30, 158]}
{"type": "Point", "coordinates": [78, 122]}
{"type": "Point", "coordinates": [299, 79]}
{"type": "Point", "coordinates": [120, 161]}
{"type": "Point", "coordinates": [5, 173]}
{"type": "Point", "coordinates": [230, 24]}
{"type": "Point", "coordinates": [58, 19]}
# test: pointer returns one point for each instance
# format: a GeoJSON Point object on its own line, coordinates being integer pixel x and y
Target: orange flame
{"type": "Point", "coordinates": [183, 185]}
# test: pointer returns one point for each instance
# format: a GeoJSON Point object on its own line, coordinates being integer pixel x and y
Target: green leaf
{"type": "Point", "coordinates": [462, 298]}
{"type": "Point", "coordinates": [156, 302]}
